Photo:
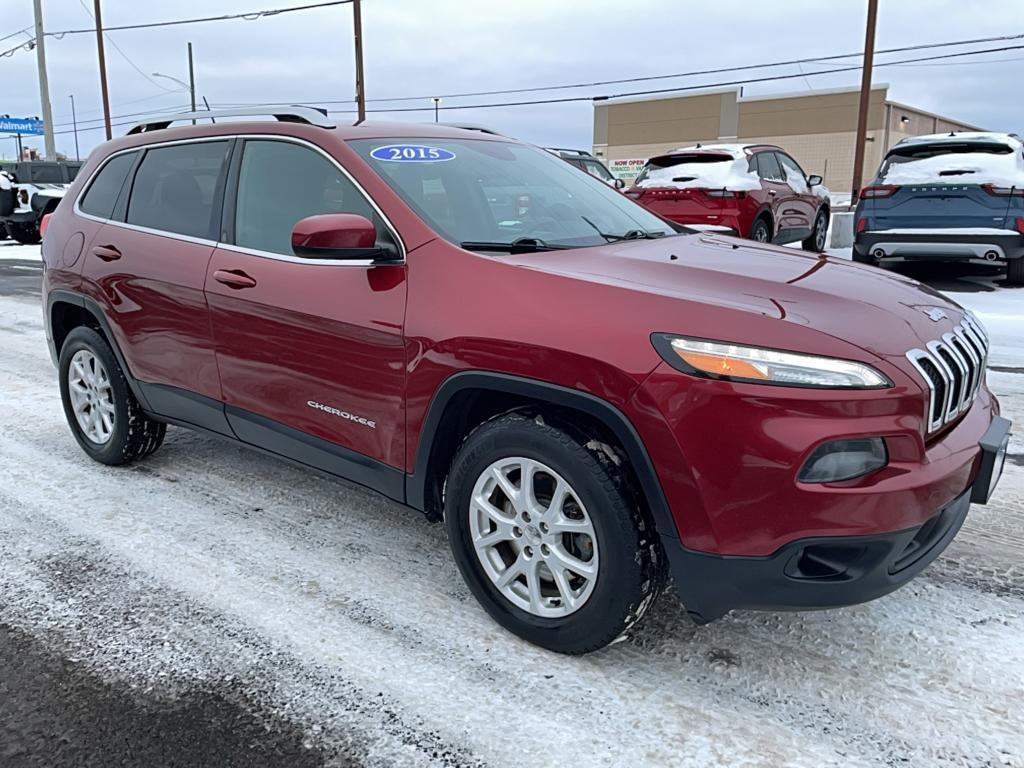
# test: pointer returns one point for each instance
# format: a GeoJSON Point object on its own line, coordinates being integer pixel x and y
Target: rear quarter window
{"type": "Point", "coordinates": [101, 196]}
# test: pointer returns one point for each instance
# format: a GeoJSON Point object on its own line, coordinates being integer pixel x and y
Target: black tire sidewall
{"type": "Point", "coordinates": [113, 451]}
{"type": "Point", "coordinates": [1015, 271]}
{"type": "Point", "coordinates": [617, 590]}
{"type": "Point", "coordinates": [760, 223]}
{"type": "Point", "coordinates": [811, 244]}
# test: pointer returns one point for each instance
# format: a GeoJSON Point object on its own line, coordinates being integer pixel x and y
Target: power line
{"type": "Point", "coordinates": [248, 16]}
{"type": "Point", "coordinates": [648, 78]}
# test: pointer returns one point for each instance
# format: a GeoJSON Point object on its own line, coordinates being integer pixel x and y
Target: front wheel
{"type": "Point", "coordinates": [548, 535]}
{"type": "Point", "coordinates": [1015, 271]}
{"type": "Point", "coordinates": [816, 241]}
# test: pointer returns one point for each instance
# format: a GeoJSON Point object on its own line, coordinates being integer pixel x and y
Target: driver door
{"type": "Point", "coordinates": [310, 352]}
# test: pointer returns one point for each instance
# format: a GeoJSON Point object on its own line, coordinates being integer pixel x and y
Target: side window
{"type": "Point", "coordinates": [101, 196]}
{"type": "Point", "coordinates": [280, 183]}
{"type": "Point", "coordinates": [175, 189]}
{"type": "Point", "coordinates": [597, 170]}
{"type": "Point", "coordinates": [795, 176]}
{"type": "Point", "coordinates": [768, 167]}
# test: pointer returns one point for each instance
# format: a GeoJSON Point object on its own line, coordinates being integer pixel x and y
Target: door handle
{"type": "Point", "coordinates": [772, 192]}
{"type": "Point", "coordinates": [106, 252]}
{"type": "Point", "coordinates": [234, 278]}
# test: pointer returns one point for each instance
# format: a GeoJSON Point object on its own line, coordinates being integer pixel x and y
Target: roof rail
{"type": "Point", "coordinates": [309, 115]}
{"type": "Point", "coordinates": [469, 127]}
{"type": "Point", "coordinates": [571, 152]}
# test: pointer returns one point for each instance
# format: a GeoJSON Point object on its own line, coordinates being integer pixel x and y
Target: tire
{"type": "Point", "coordinates": [3, 231]}
{"type": "Point", "coordinates": [760, 231]}
{"type": "Point", "coordinates": [132, 435]}
{"type": "Point", "coordinates": [621, 550]}
{"type": "Point", "coordinates": [819, 233]}
{"type": "Point", "coordinates": [26, 234]}
{"type": "Point", "coordinates": [1015, 271]}
{"type": "Point", "coordinates": [864, 258]}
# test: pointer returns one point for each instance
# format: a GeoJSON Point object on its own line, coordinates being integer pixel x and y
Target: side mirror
{"type": "Point", "coordinates": [338, 236]}
{"type": "Point", "coordinates": [619, 184]}
{"type": "Point", "coordinates": [814, 180]}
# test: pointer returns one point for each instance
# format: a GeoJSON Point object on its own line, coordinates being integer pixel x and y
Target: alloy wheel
{"type": "Point", "coordinates": [92, 397]}
{"type": "Point", "coordinates": [534, 537]}
{"type": "Point", "coordinates": [820, 230]}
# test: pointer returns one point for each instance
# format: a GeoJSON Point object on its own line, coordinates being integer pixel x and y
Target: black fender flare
{"type": "Point", "coordinates": [94, 309]}
{"type": "Point", "coordinates": [605, 412]}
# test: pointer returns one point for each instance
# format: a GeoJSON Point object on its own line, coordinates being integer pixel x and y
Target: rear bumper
{"type": "Point", "coordinates": [825, 572]}
{"type": "Point", "coordinates": [935, 245]}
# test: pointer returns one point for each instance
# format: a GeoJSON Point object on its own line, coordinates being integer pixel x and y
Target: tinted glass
{"type": "Point", "coordinates": [102, 194]}
{"type": "Point", "coordinates": [768, 167]}
{"type": "Point", "coordinates": [280, 183]}
{"type": "Point", "coordinates": [471, 190]}
{"type": "Point", "coordinates": [594, 168]}
{"type": "Point", "coordinates": [175, 189]}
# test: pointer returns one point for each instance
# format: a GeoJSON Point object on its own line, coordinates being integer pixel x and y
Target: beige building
{"type": "Point", "coordinates": [818, 128]}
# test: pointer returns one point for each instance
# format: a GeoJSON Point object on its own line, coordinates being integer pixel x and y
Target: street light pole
{"type": "Point", "coordinates": [357, 25]}
{"type": "Point", "coordinates": [44, 84]}
{"type": "Point", "coordinates": [865, 102]}
{"type": "Point", "coordinates": [103, 67]}
{"type": "Point", "coordinates": [74, 125]}
{"type": "Point", "coordinates": [191, 80]}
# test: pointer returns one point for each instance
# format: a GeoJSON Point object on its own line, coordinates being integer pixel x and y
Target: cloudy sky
{"type": "Point", "coordinates": [421, 47]}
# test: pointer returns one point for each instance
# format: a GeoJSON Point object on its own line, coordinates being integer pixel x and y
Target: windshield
{"type": "Point", "coordinates": [473, 191]}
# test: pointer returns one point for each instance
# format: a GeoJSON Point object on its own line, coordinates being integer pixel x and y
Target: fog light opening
{"type": "Point", "coordinates": [844, 460]}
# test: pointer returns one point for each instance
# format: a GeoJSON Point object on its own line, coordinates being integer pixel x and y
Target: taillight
{"type": "Point", "coordinates": [1019, 223]}
{"type": "Point", "coordinates": [44, 223]}
{"type": "Point", "coordinates": [992, 189]}
{"type": "Point", "coordinates": [725, 193]}
{"type": "Point", "coordinates": [881, 190]}
{"type": "Point", "coordinates": [862, 224]}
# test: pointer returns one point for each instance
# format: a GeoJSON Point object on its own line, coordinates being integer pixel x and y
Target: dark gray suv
{"type": "Point", "coordinates": [955, 196]}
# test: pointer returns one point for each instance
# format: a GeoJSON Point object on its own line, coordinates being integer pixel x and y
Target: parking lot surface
{"type": "Point", "coordinates": [212, 606]}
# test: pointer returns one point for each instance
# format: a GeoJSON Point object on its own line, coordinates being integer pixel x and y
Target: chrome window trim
{"type": "Point", "coordinates": [402, 250]}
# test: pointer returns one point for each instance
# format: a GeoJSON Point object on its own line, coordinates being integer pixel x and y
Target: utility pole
{"type": "Point", "coordinates": [191, 80]}
{"type": "Point", "coordinates": [103, 67]}
{"type": "Point", "coordinates": [74, 125]}
{"type": "Point", "coordinates": [865, 99]}
{"type": "Point", "coordinates": [44, 85]}
{"type": "Point", "coordinates": [357, 24]}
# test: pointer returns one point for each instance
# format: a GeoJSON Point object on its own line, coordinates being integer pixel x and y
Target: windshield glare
{"type": "Point", "coordinates": [501, 192]}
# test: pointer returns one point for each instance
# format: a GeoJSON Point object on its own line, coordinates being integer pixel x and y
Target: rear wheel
{"type": "Point", "coordinates": [3, 231]}
{"type": "Point", "coordinates": [816, 242]}
{"type": "Point", "coordinates": [760, 231]}
{"type": "Point", "coordinates": [24, 233]}
{"type": "Point", "coordinates": [864, 258]}
{"type": "Point", "coordinates": [104, 416]}
{"type": "Point", "coordinates": [1015, 271]}
{"type": "Point", "coordinates": [548, 536]}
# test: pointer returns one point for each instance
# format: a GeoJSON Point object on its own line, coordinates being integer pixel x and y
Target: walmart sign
{"type": "Point", "coordinates": [27, 126]}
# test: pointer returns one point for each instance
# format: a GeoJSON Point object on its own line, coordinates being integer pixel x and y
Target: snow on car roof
{"type": "Point", "coordinates": [960, 137]}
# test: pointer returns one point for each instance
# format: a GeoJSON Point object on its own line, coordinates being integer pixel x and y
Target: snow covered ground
{"type": "Point", "coordinates": [323, 610]}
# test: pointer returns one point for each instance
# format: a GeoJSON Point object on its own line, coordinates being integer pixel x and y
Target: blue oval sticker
{"type": "Point", "coordinates": [411, 153]}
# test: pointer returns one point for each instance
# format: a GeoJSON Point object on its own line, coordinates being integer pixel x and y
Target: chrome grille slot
{"type": "Point", "coordinates": [953, 368]}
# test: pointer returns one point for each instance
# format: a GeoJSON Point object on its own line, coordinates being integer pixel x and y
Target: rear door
{"type": "Point", "coordinates": [773, 182]}
{"type": "Point", "coordinates": [146, 267]}
{"type": "Point", "coordinates": [311, 352]}
{"type": "Point", "coordinates": [798, 209]}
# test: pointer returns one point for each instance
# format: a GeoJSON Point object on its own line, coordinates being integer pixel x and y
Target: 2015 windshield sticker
{"type": "Point", "coordinates": [411, 153]}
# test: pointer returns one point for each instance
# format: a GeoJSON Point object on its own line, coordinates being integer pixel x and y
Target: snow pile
{"type": "Point", "coordinates": [731, 172]}
{"type": "Point", "coordinates": [1004, 169]}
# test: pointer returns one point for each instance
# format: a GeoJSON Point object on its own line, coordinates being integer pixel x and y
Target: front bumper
{"type": "Point", "coordinates": [934, 245]}
{"type": "Point", "coordinates": [824, 572]}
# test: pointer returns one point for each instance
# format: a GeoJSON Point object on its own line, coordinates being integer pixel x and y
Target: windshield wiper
{"type": "Point", "coordinates": [633, 234]}
{"type": "Point", "coordinates": [522, 245]}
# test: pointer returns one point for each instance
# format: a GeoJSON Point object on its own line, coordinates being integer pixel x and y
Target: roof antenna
{"type": "Point", "coordinates": [952, 133]}
{"type": "Point", "coordinates": [698, 145]}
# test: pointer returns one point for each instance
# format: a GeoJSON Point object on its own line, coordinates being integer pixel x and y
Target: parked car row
{"type": "Point", "coordinates": [592, 397]}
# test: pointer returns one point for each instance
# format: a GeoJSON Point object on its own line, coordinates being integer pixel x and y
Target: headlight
{"type": "Point", "coordinates": [732, 362]}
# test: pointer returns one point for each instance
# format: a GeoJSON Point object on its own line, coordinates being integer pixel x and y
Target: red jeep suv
{"type": "Point", "coordinates": [593, 401]}
{"type": "Point", "coordinates": [749, 190]}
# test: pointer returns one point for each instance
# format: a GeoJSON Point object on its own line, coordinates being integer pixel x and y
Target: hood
{"type": "Point", "coordinates": [875, 310]}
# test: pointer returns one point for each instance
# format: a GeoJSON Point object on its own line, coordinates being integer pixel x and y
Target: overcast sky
{"type": "Point", "coordinates": [422, 47]}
